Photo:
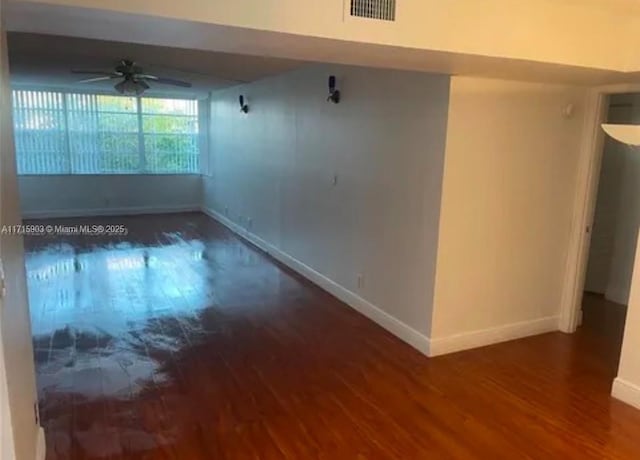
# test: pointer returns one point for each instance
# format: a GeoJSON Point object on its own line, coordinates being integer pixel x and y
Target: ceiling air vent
{"type": "Point", "coordinates": [384, 10]}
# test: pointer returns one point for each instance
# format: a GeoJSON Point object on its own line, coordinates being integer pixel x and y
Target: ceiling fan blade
{"type": "Point", "coordinates": [91, 80]}
{"type": "Point", "coordinates": [95, 72]}
{"type": "Point", "coordinates": [166, 81]}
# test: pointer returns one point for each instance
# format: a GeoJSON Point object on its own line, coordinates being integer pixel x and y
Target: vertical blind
{"type": "Point", "coordinates": [74, 133]}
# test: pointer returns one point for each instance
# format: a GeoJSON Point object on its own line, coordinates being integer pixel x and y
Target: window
{"type": "Point", "coordinates": [74, 133]}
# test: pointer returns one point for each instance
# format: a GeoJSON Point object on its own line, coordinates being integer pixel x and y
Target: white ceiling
{"type": "Point", "coordinates": [46, 60]}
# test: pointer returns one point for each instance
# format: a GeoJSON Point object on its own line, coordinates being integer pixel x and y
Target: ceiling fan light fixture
{"type": "Point", "coordinates": [627, 134]}
{"type": "Point", "coordinates": [142, 86]}
{"type": "Point", "coordinates": [129, 87]}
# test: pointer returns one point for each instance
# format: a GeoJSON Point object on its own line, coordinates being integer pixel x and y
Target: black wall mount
{"type": "Point", "coordinates": [244, 108]}
{"type": "Point", "coordinates": [334, 93]}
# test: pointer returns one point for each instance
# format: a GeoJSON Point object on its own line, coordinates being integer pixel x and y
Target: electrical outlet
{"type": "Point", "coordinates": [360, 281]}
{"type": "Point", "coordinates": [335, 180]}
{"type": "Point", "coordinates": [249, 222]}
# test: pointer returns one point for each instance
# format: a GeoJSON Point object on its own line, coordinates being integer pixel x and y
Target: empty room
{"type": "Point", "coordinates": [282, 230]}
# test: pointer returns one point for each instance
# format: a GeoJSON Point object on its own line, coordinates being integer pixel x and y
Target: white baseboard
{"type": "Point", "coordinates": [41, 445]}
{"type": "Point", "coordinates": [475, 339]}
{"type": "Point", "coordinates": [626, 392]}
{"type": "Point", "coordinates": [404, 332]}
{"type": "Point", "coordinates": [100, 212]}
{"type": "Point", "coordinates": [430, 347]}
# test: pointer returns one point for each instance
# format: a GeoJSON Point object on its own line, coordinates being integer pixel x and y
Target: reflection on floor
{"type": "Point", "coordinates": [178, 341]}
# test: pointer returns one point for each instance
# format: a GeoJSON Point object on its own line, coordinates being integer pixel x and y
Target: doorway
{"type": "Point", "coordinates": [616, 218]}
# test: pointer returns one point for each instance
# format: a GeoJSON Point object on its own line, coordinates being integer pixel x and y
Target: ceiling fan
{"type": "Point", "coordinates": [134, 80]}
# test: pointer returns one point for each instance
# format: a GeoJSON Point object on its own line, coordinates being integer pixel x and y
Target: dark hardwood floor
{"type": "Point", "coordinates": [179, 341]}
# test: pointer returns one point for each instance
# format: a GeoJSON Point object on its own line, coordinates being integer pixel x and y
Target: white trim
{"type": "Point", "coordinates": [41, 445]}
{"type": "Point", "coordinates": [475, 339]}
{"type": "Point", "coordinates": [584, 207]}
{"type": "Point", "coordinates": [626, 392]}
{"type": "Point", "coordinates": [404, 332]}
{"type": "Point", "coordinates": [99, 212]}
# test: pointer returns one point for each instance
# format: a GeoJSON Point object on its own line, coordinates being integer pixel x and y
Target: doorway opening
{"type": "Point", "coordinates": [612, 249]}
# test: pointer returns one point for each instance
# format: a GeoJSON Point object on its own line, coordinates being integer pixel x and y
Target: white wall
{"type": "Point", "coordinates": [509, 183]}
{"type": "Point", "coordinates": [383, 144]}
{"type": "Point", "coordinates": [617, 216]}
{"type": "Point", "coordinates": [73, 195]}
{"type": "Point", "coordinates": [6, 430]}
{"type": "Point", "coordinates": [16, 367]}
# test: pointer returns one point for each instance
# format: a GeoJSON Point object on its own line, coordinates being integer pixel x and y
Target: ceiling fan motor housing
{"type": "Point", "coordinates": [128, 68]}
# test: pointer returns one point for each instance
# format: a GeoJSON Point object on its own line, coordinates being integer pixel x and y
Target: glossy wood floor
{"type": "Point", "coordinates": [181, 342]}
